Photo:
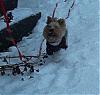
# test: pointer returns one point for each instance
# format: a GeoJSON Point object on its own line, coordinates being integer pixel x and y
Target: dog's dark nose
{"type": "Point", "coordinates": [51, 30]}
{"type": "Point", "coordinates": [50, 33]}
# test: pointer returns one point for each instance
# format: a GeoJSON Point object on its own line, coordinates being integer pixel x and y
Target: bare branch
{"type": "Point", "coordinates": [14, 57]}
{"type": "Point", "coordinates": [70, 9]}
{"type": "Point", "coordinates": [55, 10]}
{"type": "Point", "coordinates": [65, 1]}
{"type": "Point", "coordinates": [40, 50]}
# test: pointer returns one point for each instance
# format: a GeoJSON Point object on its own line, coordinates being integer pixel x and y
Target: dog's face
{"type": "Point", "coordinates": [54, 30]}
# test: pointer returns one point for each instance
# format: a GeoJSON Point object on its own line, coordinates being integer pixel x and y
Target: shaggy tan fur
{"type": "Point", "coordinates": [55, 30]}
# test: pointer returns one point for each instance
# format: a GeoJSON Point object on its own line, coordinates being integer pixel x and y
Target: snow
{"type": "Point", "coordinates": [19, 14]}
{"type": "Point", "coordinates": [71, 72]}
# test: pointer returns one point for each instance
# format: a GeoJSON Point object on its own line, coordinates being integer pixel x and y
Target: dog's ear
{"type": "Point", "coordinates": [49, 19]}
{"type": "Point", "coordinates": [61, 21]}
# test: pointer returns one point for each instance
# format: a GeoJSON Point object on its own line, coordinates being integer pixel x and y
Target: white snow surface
{"type": "Point", "coordinates": [74, 71]}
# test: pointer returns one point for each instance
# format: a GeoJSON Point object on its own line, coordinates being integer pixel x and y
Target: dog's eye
{"type": "Point", "coordinates": [61, 22]}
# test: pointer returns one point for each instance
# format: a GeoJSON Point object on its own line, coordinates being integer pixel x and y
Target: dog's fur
{"type": "Point", "coordinates": [55, 33]}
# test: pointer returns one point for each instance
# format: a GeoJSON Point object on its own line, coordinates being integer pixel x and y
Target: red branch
{"type": "Point", "coordinates": [70, 9]}
{"type": "Point", "coordinates": [4, 11]}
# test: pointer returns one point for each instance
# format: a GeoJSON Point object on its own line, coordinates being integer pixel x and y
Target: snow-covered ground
{"type": "Point", "coordinates": [71, 72]}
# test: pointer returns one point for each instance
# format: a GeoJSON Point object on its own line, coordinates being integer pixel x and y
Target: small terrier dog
{"type": "Point", "coordinates": [55, 33]}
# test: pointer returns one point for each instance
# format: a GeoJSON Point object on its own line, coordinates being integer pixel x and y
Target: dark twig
{"type": "Point", "coordinates": [15, 68]}
{"type": "Point", "coordinates": [70, 9]}
{"type": "Point", "coordinates": [55, 10]}
{"type": "Point", "coordinates": [14, 57]}
{"type": "Point", "coordinates": [5, 60]}
{"type": "Point", "coordinates": [65, 1]}
{"type": "Point", "coordinates": [40, 50]}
